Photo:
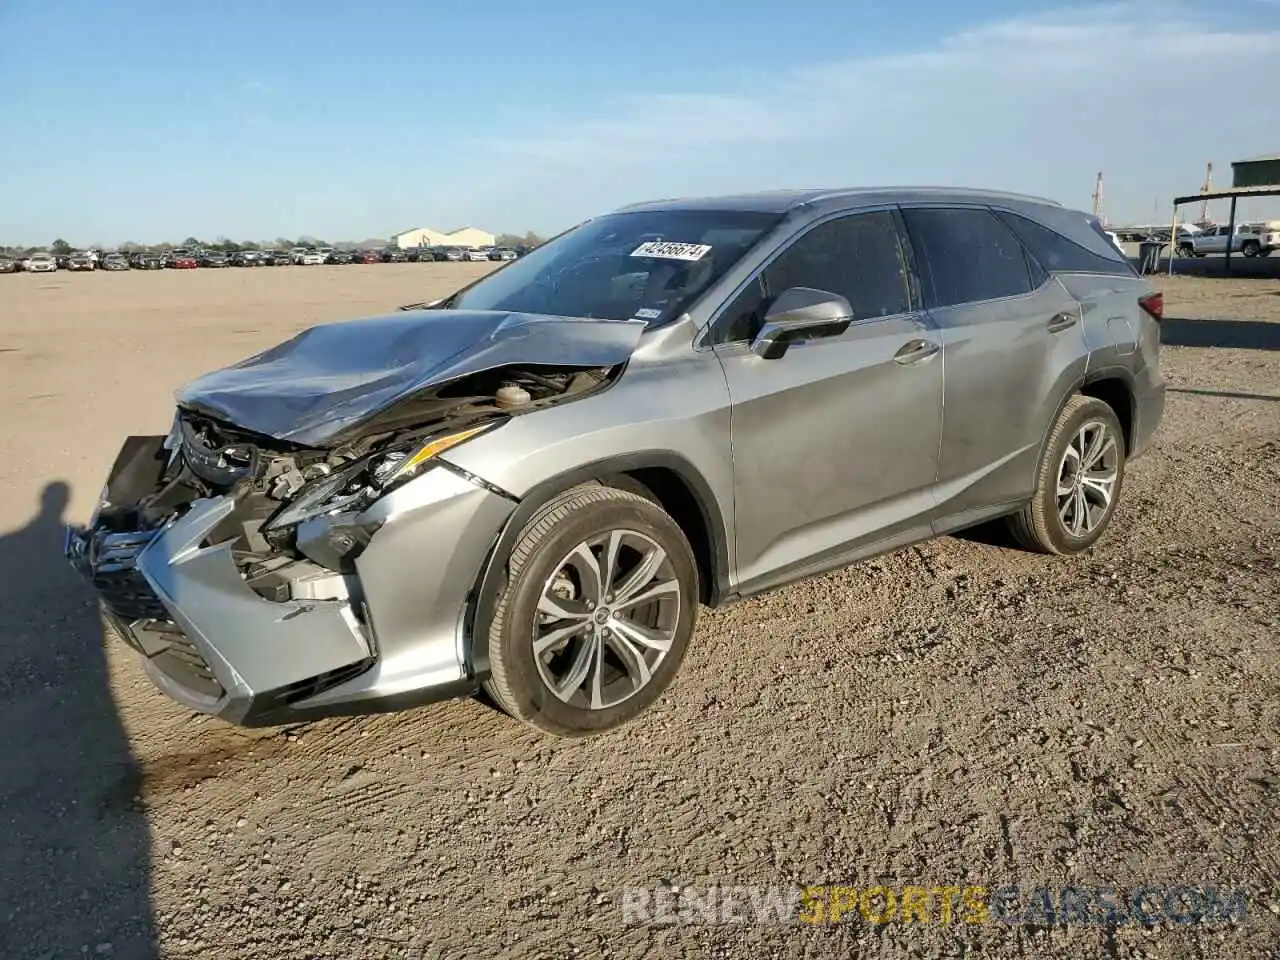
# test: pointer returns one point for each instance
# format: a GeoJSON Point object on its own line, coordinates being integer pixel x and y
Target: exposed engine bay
{"type": "Point", "coordinates": [278, 486]}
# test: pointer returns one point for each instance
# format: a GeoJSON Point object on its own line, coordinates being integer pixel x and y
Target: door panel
{"type": "Point", "coordinates": [1012, 343]}
{"type": "Point", "coordinates": [1005, 362]}
{"type": "Point", "coordinates": [835, 444]}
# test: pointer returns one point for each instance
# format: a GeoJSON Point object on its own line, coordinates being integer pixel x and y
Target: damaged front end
{"type": "Point", "coordinates": [265, 579]}
{"type": "Point", "coordinates": [224, 617]}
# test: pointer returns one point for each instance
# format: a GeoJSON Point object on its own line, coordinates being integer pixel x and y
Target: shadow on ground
{"type": "Point", "coordinates": [1237, 334]}
{"type": "Point", "coordinates": [1225, 394]}
{"type": "Point", "coordinates": [993, 533]}
{"type": "Point", "coordinates": [1253, 268]}
{"type": "Point", "coordinates": [74, 848]}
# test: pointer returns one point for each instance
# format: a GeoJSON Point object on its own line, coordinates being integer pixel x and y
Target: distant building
{"type": "Point", "coordinates": [426, 237]}
{"type": "Point", "coordinates": [1256, 172]}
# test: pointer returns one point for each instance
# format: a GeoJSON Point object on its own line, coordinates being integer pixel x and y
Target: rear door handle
{"type": "Point", "coordinates": [913, 351]}
{"type": "Point", "coordinates": [1061, 322]}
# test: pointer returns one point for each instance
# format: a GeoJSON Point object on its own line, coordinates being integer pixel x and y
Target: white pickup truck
{"type": "Point", "coordinates": [1250, 239]}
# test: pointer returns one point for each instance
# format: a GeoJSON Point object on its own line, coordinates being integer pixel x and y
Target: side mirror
{"type": "Point", "coordinates": [800, 313]}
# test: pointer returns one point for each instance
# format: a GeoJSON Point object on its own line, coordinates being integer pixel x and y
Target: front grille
{"type": "Point", "coordinates": [109, 560]}
{"type": "Point", "coordinates": [128, 595]}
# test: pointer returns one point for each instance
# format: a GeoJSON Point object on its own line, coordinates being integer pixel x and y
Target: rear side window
{"type": "Point", "coordinates": [1061, 255]}
{"type": "Point", "coordinates": [967, 255]}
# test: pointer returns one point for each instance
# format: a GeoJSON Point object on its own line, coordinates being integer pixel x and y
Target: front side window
{"type": "Point", "coordinates": [859, 257]}
{"type": "Point", "coordinates": [967, 256]}
{"type": "Point", "coordinates": [647, 264]}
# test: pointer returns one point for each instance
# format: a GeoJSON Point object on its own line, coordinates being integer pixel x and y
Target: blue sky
{"type": "Point", "coordinates": [127, 120]}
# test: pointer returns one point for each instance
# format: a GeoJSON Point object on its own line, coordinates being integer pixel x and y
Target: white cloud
{"type": "Point", "coordinates": [1147, 93]}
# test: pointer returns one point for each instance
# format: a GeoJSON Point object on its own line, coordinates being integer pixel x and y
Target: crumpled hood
{"type": "Point", "coordinates": [331, 377]}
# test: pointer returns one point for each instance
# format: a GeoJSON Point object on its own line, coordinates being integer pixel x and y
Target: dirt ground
{"type": "Point", "coordinates": [959, 713]}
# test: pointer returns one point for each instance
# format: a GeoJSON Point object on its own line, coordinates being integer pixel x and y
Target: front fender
{"type": "Point", "coordinates": [493, 580]}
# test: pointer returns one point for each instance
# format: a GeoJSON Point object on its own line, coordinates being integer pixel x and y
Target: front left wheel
{"type": "Point", "coordinates": [596, 614]}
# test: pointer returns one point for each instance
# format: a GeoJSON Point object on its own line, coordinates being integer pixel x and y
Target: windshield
{"type": "Point", "coordinates": [647, 265]}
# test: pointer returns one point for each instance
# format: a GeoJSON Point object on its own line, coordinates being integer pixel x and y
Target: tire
{"type": "Point", "coordinates": [1185, 251]}
{"type": "Point", "coordinates": [1251, 248]}
{"type": "Point", "coordinates": [1056, 524]}
{"type": "Point", "coordinates": [547, 570]}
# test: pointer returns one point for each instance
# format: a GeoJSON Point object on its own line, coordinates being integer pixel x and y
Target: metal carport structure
{"type": "Point", "coordinates": [1255, 177]}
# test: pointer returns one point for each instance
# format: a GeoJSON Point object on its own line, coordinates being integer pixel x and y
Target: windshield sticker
{"type": "Point", "coordinates": [671, 250]}
{"type": "Point", "coordinates": [648, 313]}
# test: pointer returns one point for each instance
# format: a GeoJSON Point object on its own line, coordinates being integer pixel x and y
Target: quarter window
{"type": "Point", "coordinates": [741, 319]}
{"type": "Point", "coordinates": [1058, 254]}
{"type": "Point", "coordinates": [967, 256]}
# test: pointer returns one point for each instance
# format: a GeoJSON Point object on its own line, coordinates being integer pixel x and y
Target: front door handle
{"type": "Point", "coordinates": [913, 351]}
{"type": "Point", "coordinates": [1061, 322]}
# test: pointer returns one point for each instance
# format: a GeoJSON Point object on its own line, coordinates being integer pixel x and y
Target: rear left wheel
{"type": "Point", "coordinates": [599, 605]}
{"type": "Point", "coordinates": [1078, 481]}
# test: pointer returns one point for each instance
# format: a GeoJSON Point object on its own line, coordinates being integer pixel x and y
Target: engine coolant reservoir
{"type": "Point", "coordinates": [510, 395]}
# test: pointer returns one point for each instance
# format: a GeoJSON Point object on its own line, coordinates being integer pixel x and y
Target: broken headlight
{"type": "Point", "coordinates": [356, 485]}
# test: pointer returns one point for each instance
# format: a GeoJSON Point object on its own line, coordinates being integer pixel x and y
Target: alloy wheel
{"type": "Point", "coordinates": [1087, 478]}
{"type": "Point", "coordinates": [607, 617]}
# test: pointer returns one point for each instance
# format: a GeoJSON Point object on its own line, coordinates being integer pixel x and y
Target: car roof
{"type": "Point", "coordinates": [781, 201]}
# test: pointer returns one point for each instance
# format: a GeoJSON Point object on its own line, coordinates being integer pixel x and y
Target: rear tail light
{"type": "Point", "coordinates": [1153, 304]}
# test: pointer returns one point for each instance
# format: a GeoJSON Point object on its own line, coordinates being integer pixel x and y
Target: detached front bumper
{"type": "Point", "coordinates": [389, 635]}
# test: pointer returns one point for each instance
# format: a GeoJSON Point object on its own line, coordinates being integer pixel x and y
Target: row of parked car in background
{"type": "Point", "coordinates": [191, 259]}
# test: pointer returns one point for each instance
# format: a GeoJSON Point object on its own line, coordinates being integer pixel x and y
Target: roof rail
{"type": "Point", "coordinates": [975, 193]}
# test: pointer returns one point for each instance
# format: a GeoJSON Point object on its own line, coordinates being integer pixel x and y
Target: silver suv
{"type": "Point", "coordinates": [532, 485]}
